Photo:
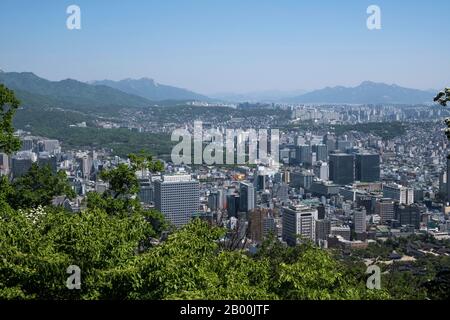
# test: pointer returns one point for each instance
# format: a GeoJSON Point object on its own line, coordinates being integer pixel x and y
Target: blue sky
{"type": "Point", "coordinates": [229, 45]}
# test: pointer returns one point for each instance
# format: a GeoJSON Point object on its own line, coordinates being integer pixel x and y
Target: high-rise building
{"type": "Point", "coordinates": [177, 197]}
{"type": "Point", "coordinates": [45, 159]}
{"type": "Point", "coordinates": [146, 190]}
{"type": "Point", "coordinates": [299, 223]}
{"type": "Point", "coordinates": [247, 197]}
{"type": "Point", "coordinates": [330, 141]}
{"type": "Point", "coordinates": [302, 179]}
{"type": "Point", "coordinates": [261, 180]}
{"type": "Point", "coordinates": [399, 193]}
{"type": "Point", "coordinates": [321, 212]}
{"type": "Point", "coordinates": [85, 163]}
{"type": "Point", "coordinates": [367, 167]}
{"type": "Point", "coordinates": [21, 163]}
{"type": "Point", "coordinates": [212, 201]}
{"type": "Point", "coordinates": [366, 201]}
{"type": "Point", "coordinates": [4, 164]}
{"type": "Point", "coordinates": [50, 146]}
{"type": "Point", "coordinates": [27, 144]}
{"type": "Point", "coordinates": [321, 170]}
{"type": "Point", "coordinates": [323, 229]}
{"type": "Point", "coordinates": [233, 205]}
{"type": "Point", "coordinates": [216, 200]}
{"type": "Point", "coordinates": [342, 168]}
{"type": "Point", "coordinates": [221, 199]}
{"type": "Point", "coordinates": [304, 154]}
{"type": "Point", "coordinates": [261, 223]}
{"type": "Point", "coordinates": [321, 151]}
{"type": "Point", "coordinates": [359, 220]}
{"type": "Point", "coordinates": [385, 209]}
{"type": "Point", "coordinates": [408, 215]}
{"type": "Point", "coordinates": [281, 191]}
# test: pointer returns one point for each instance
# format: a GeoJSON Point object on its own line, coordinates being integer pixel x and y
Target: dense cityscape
{"type": "Point", "coordinates": [225, 159]}
{"type": "Point", "coordinates": [337, 190]}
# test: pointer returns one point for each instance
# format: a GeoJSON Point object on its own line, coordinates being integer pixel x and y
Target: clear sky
{"type": "Point", "coordinates": [231, 45]}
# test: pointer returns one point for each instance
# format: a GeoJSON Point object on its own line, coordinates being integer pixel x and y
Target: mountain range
{"type": "Point", "coordinates": [366, 93]}
{"type": "Point", "coordinates": [151, 90]}
{"type": "Point", "coordinates": [107, 96]}
{"type": "Point", "coordinates": [68, 94]}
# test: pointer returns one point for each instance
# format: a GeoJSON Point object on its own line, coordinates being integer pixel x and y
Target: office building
{"type": "Point", "coordinates": [359, 221]}
{"type": "Point", "coordinates": [321, 151]}
{"type": "Point", "coordinates": [304, 154]}
{"type": "Point", "coordinates": [177, 197]}
{"type": "Point", "coordinates": [299, 223]}
{"type": "Point", "coordinates": [302, 179]}
{"type": "Point", "coordinates": [323, 230]}
{"type": "Point", "coordinates": [367, 167]}
{"type": "Point", "coordinates": [262, 222]}
{"type": "Point", "coordinates": [385, 209]}
{"type": "Point", "coordinates": [21, 163]}
{"type": "Point", "coordinates": [343, 231]}
{"type": "Point", "coordinates": [233, 205]}
{"type": "Point", "coordinates": [247, 197]}
{"type": "Point", "coordinates": [46, 159]}
{"type": "Point", "coordinates": [409, 215]}
{"type": "Point", "coordinates": [401, 194]}
{"type": "Point", "coordinates": [342, 168]}
{"type": "Point", "coordinates": [321, 170]}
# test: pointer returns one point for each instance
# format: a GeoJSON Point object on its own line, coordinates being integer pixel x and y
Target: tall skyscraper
{"type": "Point", "coordinates": [299, 222]}
{"type": "Point", "coordinates": [367, 167]}
{"type": "Point", "coordinates": [342, 168]}
{"type": "Point", "coordinates": [233, 205]}
{"type": "Point", "coordinates": [247, 197]}
{"type": "Point", "coordinates": [178, 198]}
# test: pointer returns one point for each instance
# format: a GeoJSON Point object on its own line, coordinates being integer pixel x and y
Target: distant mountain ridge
{"type": "Point", "coordinates": [68, 94]}
{"type": "Point", "coordinates": [366, 93]}
{"type": "Point", "coordinates": [149, 89]}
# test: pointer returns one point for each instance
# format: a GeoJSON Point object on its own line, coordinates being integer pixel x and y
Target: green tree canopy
{"type": "Point", "coordinates": [8, 106]}
{"type": "Point", "coordinates": [38, 187]}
